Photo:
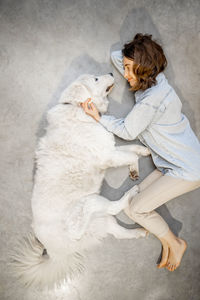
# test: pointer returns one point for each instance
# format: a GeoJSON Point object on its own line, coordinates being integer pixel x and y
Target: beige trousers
{"type": "Point", "coordinates": [155, 190]}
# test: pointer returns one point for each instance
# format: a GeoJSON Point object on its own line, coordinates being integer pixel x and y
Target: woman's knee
{"type": "Point", "coordinates": [136, 210]}
{"type": "Point", "coordinates": [132, 213]}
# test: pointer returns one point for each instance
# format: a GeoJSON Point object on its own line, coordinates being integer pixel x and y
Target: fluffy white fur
{"type": "Point", "coordinates": [69, 215]}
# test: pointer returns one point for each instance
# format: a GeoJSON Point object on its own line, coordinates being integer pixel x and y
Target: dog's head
{"type": "Point", "coordinates": [89, 86]}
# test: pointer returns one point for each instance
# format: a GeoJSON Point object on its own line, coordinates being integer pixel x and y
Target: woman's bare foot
{"type": "Point", "coordinates": [173, 250]}
{"type": "Point", "coordinates": [165, 255]}
{"type": "Point", "coordinates": [175, 254]}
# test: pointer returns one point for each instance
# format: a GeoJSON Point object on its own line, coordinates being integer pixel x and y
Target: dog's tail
{"type": "Point", "coordinates": [31, 265]}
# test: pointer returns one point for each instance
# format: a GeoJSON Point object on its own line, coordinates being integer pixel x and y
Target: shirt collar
{"type": "Point", "coordinates": [160, 78]}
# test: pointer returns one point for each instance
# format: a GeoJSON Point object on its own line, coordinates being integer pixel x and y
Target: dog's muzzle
{"type": "Point", "coordinates": [109, 87]}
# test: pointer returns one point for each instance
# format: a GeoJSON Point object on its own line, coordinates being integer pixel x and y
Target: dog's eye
{"type": "Point", "coordinates": [96, 79]}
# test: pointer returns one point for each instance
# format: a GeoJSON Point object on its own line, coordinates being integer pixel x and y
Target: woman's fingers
{"type": "Point", "coordinates": [85, 105]}
{"type": "Point", "coordinates": [92, 105]}
{"type": "Point", "coordinates": [86, 101]}
{"type": "Point", "coordinates": [94, 108]}
{"type": "Point", "coordinates": [90, 108]}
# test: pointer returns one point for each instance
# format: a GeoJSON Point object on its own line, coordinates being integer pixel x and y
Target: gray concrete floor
{"type": "Point", "coordinates": [45, 45]}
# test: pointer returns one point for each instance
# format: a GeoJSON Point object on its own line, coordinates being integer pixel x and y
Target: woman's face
{"type": "Point", "coordinates": [128, 71]}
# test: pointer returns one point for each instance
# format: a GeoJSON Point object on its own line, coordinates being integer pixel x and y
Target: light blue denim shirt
{"type": "Point", "coordinates": [157, 121]}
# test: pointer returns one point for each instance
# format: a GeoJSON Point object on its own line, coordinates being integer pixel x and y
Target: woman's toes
{"type": "Point", "coordinates": [168, 266]}
{"type": "Point", "coordinates": [172, 268]}
{"type": "Point", "coordinates": [176, 266]}
{"type": "Point", "coordinates": [176, 254]}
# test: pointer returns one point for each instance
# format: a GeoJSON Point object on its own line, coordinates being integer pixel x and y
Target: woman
{"type": "Point", "coordinates": [157, 121]}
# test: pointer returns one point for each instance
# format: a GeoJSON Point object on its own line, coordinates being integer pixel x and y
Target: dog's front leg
{"type": "Point", "coordinates": [120, 158]}
{"type": "Point", "coordinates": [138, 149]}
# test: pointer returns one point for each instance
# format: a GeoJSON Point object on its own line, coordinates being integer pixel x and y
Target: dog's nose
{"type": "Point", "coordinates": [111, 74]}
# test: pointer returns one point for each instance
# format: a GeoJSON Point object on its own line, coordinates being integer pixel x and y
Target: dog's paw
{"type": "Point", "coordinates": [74, 236]}
{"type": "Point", "coordinates": [132, 192]}
{"type": "Point", "coordinates": [146, 152]}
{"type": "Point", "coordinates": [75, 239]}
{"type": "Point", "coordinates": [141, 232]}
{"type": "Point", "coordinates": [133, 175]}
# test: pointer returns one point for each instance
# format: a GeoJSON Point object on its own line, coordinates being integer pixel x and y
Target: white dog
{"type": "Point", "coordinates": [69, 215]}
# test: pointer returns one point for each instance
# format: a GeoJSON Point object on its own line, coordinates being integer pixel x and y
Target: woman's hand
{"type": "Point", "coordinates": [90, 109]}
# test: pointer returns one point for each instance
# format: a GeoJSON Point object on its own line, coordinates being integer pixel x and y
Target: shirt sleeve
{"type": "Point", "coordinates": [115, 126]}
{"type": "Point", "coordinates": [135, 122]}
{"type": "Point", "coordinates": [117, 60]}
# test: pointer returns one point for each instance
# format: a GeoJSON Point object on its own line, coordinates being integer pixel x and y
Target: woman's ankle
{"type": "Point", "coordinates": [170, 239]}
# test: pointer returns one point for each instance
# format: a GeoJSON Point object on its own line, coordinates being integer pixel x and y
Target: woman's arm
{"type": "Point", "coordinates": [135, 122]}
{"type": "Point", "coordinates": [117, 60]}
{"type": "Point", "coordinates": [115, 126]}
{"type": "Point", "coordinates": [139, 118]}
{"type": "Point", "coordinates": [127, 128]}
{"type": "Point", "coordinates": [112, 124]}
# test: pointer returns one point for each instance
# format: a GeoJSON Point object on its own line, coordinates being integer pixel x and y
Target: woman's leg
{"type": "Point", "coordinates": [143, 185]}
{"type": "Point", "coordinates": [141, 210]}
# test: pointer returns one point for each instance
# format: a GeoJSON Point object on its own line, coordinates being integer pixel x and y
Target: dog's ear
{"type": "Point", "coordinates": [74, 94]}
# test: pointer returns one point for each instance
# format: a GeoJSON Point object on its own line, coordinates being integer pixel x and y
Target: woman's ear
{"type": "Point", "coordinates": [74, 94]}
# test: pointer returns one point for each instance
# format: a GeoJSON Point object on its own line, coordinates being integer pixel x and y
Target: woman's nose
{"type": "Point", "coordinates": [125, 75]}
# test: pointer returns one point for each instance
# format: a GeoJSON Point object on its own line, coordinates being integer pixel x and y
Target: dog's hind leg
{"type": "Point", "coordinates": [100, 205]}
{"type": "Point", "coordinates": [120, 232]}
{"type": "Point", "coordinates": [93, 206]}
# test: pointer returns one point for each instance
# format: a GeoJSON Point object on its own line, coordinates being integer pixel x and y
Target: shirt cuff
{"type": "Point", "coordinates": [104, 120]}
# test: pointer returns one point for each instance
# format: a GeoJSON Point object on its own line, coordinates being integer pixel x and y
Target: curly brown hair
{"type": "Point", "coordinates": [149, 60]}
